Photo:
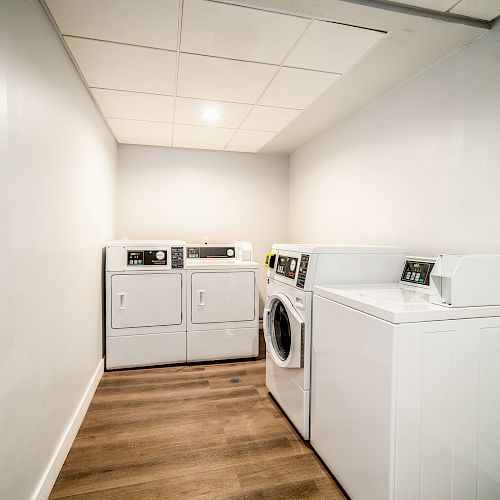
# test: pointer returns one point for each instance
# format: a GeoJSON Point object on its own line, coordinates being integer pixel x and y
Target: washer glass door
{"type": "Point", "coordinates": [281, 335]}
{"type": "Point", "coordinates": [283, 332]}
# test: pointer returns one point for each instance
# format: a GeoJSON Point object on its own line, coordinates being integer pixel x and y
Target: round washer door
{"type": "Point", "coordinates": [283, 332]}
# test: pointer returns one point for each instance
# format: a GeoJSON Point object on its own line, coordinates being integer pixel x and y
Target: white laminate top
{"type": "Point", "coordinates": [398, 303]}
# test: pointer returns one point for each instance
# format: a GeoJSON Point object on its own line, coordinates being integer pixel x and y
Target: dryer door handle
{"type": "Point", "coordinates": [201, 297]}
{"type": "Point", "coordinates": [122, 300]}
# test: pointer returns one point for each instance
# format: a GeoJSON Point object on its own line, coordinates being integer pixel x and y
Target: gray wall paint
{"type": "Point", "coordinates": [419, 167]}
{"type": "Point", "coordinates": [187, 194]}
{"type": "Point", "coordinates": [57, 176]}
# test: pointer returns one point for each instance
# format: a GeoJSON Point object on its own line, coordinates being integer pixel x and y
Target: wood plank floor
{"type": "Point", "coordinates": [187, 432]}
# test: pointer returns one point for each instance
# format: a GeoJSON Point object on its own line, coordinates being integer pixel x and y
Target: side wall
{"type": "Point", "coordinates": [191, 194]}
{"type": "Point", "coordinates": [419, 167]}
{"type": "Point", "coordinates": [57, 176]}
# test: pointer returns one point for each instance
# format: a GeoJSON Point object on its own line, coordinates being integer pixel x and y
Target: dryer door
{"type": "Point", "coordinates": [284, 332]}
{"type": "Point", "coordinates": [144, 300]}
{"type": "Point", "coordinates": [218, 297]}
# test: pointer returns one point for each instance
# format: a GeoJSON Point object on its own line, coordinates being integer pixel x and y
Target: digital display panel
{"type": "Point", "coordinates": [417, 272]}
{"type": "Point", "coordinates": [135, 258]}
{"type": "Point", "coordinates": [287, 266]}
{"type": "Point", "coordinates": [211, 252]}
{"type": "Point", "coordinates": [155, 257]}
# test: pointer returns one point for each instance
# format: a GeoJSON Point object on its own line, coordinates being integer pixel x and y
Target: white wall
{"type": "Point", "coordinates": [187, 194]}
{"type": "Point", "coordinates": [420, 167]}
{"type": "Point", "coordinates": [57, 175]}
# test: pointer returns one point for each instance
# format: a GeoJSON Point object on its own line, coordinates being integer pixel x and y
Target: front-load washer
{"type": "Point", "coordinates": [222, 302]}
{"type": "Point", "coordinates": [293, 271]}
{"type": "Point", "coordinates": [405, 394]}
{"type": "Point", "coordinates": [145, 303]}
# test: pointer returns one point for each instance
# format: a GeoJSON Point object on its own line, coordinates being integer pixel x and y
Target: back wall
{"type": "Point", "coordinates": [191, 194]}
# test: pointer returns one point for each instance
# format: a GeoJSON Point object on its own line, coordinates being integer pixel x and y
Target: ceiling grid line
{"type": "Point", "coordinates": [200, 54]}
{"type": "Point", "coordinates": [200, 98]}
{"type": "Point", "coordinates": [94, 39]}
{"type": "Point", "coordinates": [176, 84]}
{"type": "Point", "coordinates": [454, 5]}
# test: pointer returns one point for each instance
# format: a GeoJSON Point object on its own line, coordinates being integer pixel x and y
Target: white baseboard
{"type": "Point", "coordinates": [44, 487]}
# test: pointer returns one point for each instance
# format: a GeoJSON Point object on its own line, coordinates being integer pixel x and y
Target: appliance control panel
{"type": "Point", "coordinates": [147, 257]}
{"type": "Point", "coordinates": [156, 257]}
{"type": "Point", "coordinates": [287, 266]}
{"type": "Point", "coordinates": [417, 272]}
{"type": "Point", "coordinates": [135, 257]}
{"type": "Point", "coordinates": [207, 252]}
{"type": "Point", "coordinates": [177, 257]}
{"type": "Point", "coordinates": [304, 263]}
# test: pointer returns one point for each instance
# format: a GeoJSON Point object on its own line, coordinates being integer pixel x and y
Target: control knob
{"type": "Point", "coordinates": [160, 255]}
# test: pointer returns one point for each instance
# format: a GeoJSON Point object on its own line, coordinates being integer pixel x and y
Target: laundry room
{"type": "Point", "coordinates": [251, 249]}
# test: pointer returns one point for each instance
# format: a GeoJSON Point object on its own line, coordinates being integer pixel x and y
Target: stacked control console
{"type": "Point", "coordinates": [211, 252]}
{"type": "Point", "coordinates": [157, 257]}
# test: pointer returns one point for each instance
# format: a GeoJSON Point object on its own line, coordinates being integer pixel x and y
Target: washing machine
{"type": "Point", "coordinates": [145, 303]}
{"type": "Point", "coordinates": [405, 382]}
{"type": "Point", "coordinates": [222, 302]}
{"type": "Point", "coordinates": [293, 271]}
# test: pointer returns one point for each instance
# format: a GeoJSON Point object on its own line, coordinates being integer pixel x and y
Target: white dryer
{"type": "Point", "coordinates": [405, 385]}
{"type": "Point", "coordinates": [145, 303]}
{"type": "Point", "coordinates": [222, 302]}
{"type": "Point", "coordinates": [293, 272]}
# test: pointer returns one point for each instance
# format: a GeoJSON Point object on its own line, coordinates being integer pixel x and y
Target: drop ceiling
{"type": "Point", "coordinates": [255, 76]}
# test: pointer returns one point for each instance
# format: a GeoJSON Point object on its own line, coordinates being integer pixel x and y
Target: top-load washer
{"type": "Point", "coordinates": [293, 271]}
{"type": "Point", "coordinates": [145, 303]}
{"type": "Point", "coordinates": [405, 382]}
{"type": "Point", "coordinates": [222, 302]}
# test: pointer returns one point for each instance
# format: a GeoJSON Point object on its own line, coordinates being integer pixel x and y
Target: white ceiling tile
{"type": "Point", "coordinates": [332, 47]}
{"type": "Point", "coordinates": [249, 141]}
{"type": "Point", "coordinates": [222, 79]}
{"type": "Point", "coordinates": [269, 118]}
{"type": "Point", "coordinates": [296, 88]}
{"type": "Point", "coordinates": [190, 136]}
{"type": "Point", "coordinates": [438, 5]}
{"type": "Point", "coordinates": [124, 67]}
{"type": "Point", "coordinates": [478, 9]}
{"type": "Point", "coordinates": [141, 131]}
{"type": "Point", "coordinates": [190, 112]}
{"type": "Point", "coordinates": [134, 105]}
{"type": "Point", "coordinates": [141, 22]}
{"type": "Point", "coordinates": [238, 32]}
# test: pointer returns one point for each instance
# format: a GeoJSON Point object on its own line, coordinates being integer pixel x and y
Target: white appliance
{"type": "Point", "coordinates": [406, 393]}
{"type": "Point", "coordinates": [222, 302]}
{"type": "Point", "coordinates": [293, 272]}
{"type": "Point", "coordinates": [145, 303]}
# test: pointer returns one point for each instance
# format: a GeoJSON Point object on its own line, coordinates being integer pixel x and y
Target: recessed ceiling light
{"type": "Point", "coordinates": [211, 115]}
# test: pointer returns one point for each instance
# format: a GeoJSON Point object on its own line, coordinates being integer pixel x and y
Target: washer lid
{"type": "Point", "coordinates": [314, 248]}
{"type": "Point", "coordinates": [399, 304]}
